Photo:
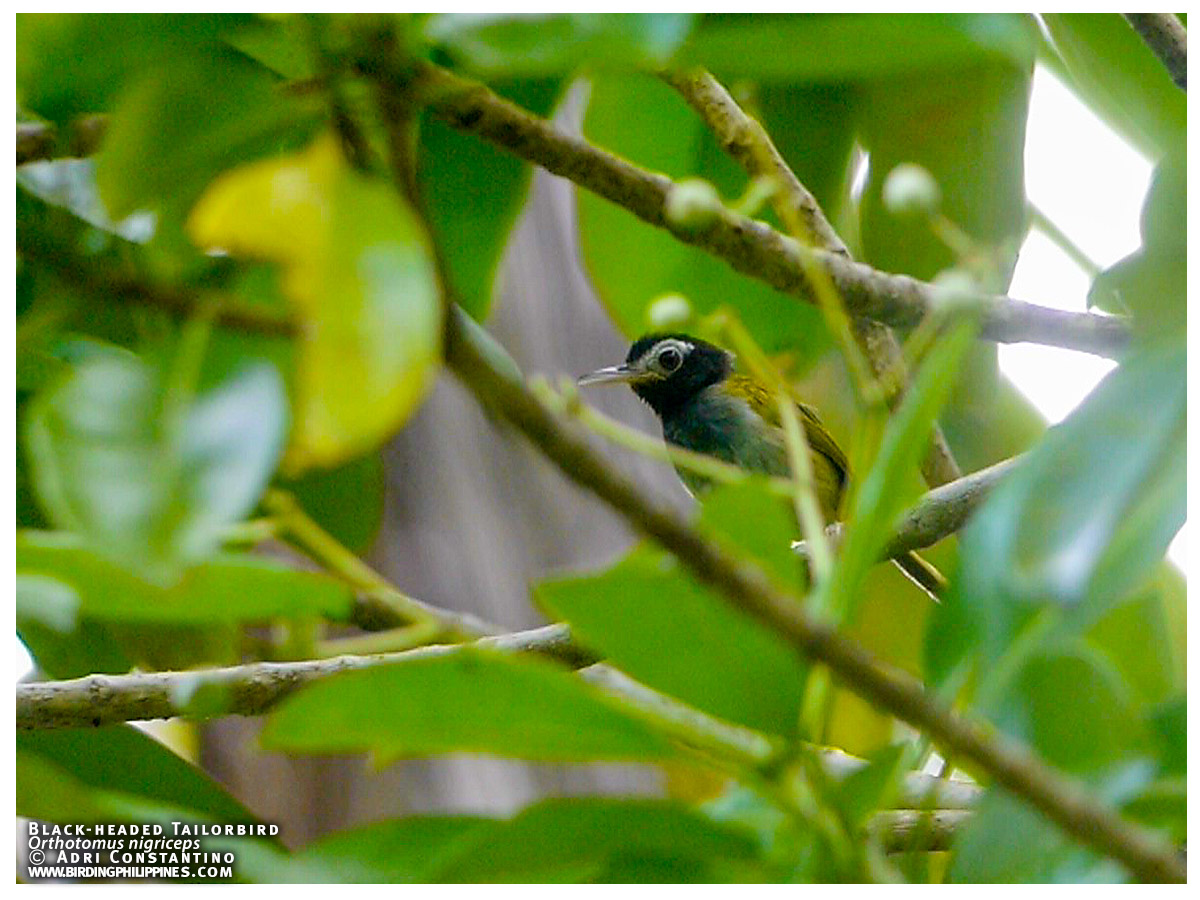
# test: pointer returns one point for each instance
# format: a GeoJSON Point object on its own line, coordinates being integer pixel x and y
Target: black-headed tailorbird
{"type": "Point", "coordinates": [706, 407]}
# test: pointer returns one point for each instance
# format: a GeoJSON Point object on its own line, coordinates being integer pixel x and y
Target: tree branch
{"type": "Point", "coordinates": [1165, 35]}
{"type": "Point", "coordinates": [255, 689]}
{"type": "Point", "coordinates": [750, 246]}
{"type": "Point", "coordinates": [247, 690]}
{"type": "Point", "coordinates": [748, 142]}
{"type": "Point", "coordinates": [748, 589]}
{"type": "Point", "coordinates": [938, 514]}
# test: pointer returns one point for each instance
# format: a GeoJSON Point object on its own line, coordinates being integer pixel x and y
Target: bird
{"type": "Point", "coordinates": [706, 406]}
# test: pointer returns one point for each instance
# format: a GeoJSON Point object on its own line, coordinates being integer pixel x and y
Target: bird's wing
{"type": "Point", "coordinates": [818, 436]}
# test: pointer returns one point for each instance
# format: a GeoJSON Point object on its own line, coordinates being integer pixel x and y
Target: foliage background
{"type": "Point", "coordinates": [145, 438]}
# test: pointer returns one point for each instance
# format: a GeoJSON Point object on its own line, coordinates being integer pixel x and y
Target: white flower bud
{"type": "Point", "coordinates": [692, 204]}
{"type": "Point", "coordinates": [669, 312]}
{"type": "Point", "coordinates": [909, 190]}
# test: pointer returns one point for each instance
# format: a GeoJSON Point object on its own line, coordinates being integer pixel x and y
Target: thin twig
{"type": "Point", "coordinates": [1165, 35]}
{"type": "Point", "coordinates": [750, 246]}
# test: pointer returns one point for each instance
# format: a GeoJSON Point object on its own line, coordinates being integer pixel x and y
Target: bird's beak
{"type": "Point", "coordinates": [610, 375]}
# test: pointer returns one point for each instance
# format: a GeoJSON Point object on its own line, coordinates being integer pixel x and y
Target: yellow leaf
{"type": "Point", "coordinates": [356, 269]}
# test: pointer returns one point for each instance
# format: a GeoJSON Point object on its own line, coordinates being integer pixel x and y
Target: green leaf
{"type": "Point", "coordinates": [966, 127]}
{"type": "Point", "coordinates": [473, 193]}
{"type": "Point", "coordinates": [678, 144]}
{"type": "Point", "coordinates": [89, 647]}
{"type": "Point", "coordinates": [465, 701]}
{"type": "Point", "coordinates": [71, 184]}
{"type": "Point", "coordinates": [880, 497]}
{"type": "Point", "coordinates": [357, 271]}
{"type": "Point", "coordinates": [73, 64]}
{"type": "Point", "coordinates": [874, 786]}
{"type": "Point", "coordinates": [347, 501]}
{"type": "Point", "coordinates": [494, 45]}
{"type": "Point", "coordinates": [850, 47]}
{"type": "Point", "coordinates": [1072, 707]}
{"type": "Point", "coordinates": [1163, 806]}
{"type": "Point", "coordinates": [144, 483]}
{"type": "Point", "coordinates": [228, 588]}
{"type": "Point", "coordinates": [580, 838]}
{"type": "Point", "coordinates": [1009, 842]}
{"type": "Point", "coordinates": [118, 775]}
{"type": "Point", "coordinates": [760, 524]}
{"type": "Point", "coordinates": [813, 127]}
{"type": "Point", "coordinates": [1090, 511]}
{"type": "Point", "coordinates": [1152, 282]}
{"type": "Point", "coordinates": [1136, 635]}
{"type": "Point", "coordinates": [122, 758]}
{"type": "Point", "coordinates": [1150, 285]}
{"type": "Point", "coordinates": [650, 619]}
{"type": "Point", "coordinates": [1111, 67]}
{"type": "Point", "coordinates": [1168, 723]}
{"type": "Point", "coordinates": [172, 133]}
{"type": "Point", "coordinates": [396, 851]}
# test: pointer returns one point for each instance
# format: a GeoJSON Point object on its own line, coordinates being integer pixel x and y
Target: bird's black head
{"type": "Point", "coordinates": [667, 370]}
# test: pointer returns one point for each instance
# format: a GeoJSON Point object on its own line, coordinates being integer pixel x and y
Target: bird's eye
{"type": "Point", "coordinates": [670, 359]}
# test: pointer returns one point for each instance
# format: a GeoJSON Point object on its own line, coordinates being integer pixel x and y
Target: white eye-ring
{"type": "Point", "coordinates": [668, 357]}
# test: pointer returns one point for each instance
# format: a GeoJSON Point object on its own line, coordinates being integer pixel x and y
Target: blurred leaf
{"type": "Point", "coordinates": [503, 45]}
{"type": "Point", "coordinates": [566, 839]}
{"type": "Point", "coordinates": [678, 144]}
{"type": "Point", "coordinates": [1152, 286]}
{"type": "Point", "coordinates": [395, 851]}
{"type": "Point", "coordinates": [1111, 67]}
{"type": "Point", "coordinates": [795, 851]}
{"type": "Point", "coordinates": [47, 601]}
{"type": "Point", "coordinates": [172, 133]}
{"type": "Point", "coordinates": [87, 648]}
{"type": "Point", "coordinates": [357, 270]}
{"type": "Point", "coordinates": [73, 64]}
{"type": "Point", "coordinates": [279, 42]}
{"type": "Point", "coordinates": [71, 184]}
{"type": "Point", "coordinates": [849, 47]}
{"type": "Point", "coordinates": [1152, 282]}
{"type": "Point", "coordinates": [1168, 723]}
{"type": "Point", "coordinates": [142, 482]}
{"type": "Point", "coordinates": [1163, 807]}
{"type": "Point", "coordinates": [702, 651]}
{"type": "Point", "coordinates": [759, 524]}
{"type": "Point", "coordinates": [967, 128]}
{"type": "Point", "coordinates": [1084, 518]}
{"type": "Point", "coordinates": [122, 758]}
{"type": "Point", "coordinates": [813, 127]}
{"type": "Point", "coordinates": [347, 501]}
{"type": "Point", "coordinates": [45, 791]}
{"type": "Point", "coordinates": [1072, 707]}
{"type": "Point", "coordinates": [1011, 843]}
{"type": "Point", "coordinates": [873, 787]}
{"type": "Point", "coordinates": [466, 701]}
{"type": "Point", "coordinates": [473, 193]}
{"type": "Point", "coordinates": [879, 497]}
{"type": "Point", "coordinates": [1136, 635]}
{"type": "Point", "coordinates": [138, 784]}
{"type": "Point", "coordinates": [228, 588]}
